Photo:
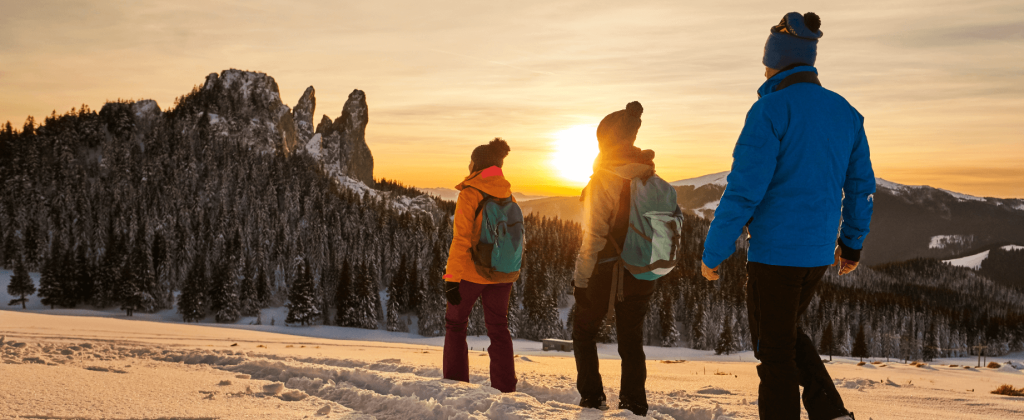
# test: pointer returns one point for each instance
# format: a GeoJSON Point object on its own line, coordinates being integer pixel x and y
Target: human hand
{"type": "Point", "coordinates": [451, 292]}
{"type": "Point", "coordinates": [709, 273]}
{"type": "Point", "coordinates": [845, 266]}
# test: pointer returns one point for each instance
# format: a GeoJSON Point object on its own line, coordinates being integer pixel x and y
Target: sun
{"type": "Point", "coordinates": [575, 150]}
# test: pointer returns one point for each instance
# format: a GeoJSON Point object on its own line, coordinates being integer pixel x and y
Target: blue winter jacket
{"type": "Point", "coordinates": [800, 163]}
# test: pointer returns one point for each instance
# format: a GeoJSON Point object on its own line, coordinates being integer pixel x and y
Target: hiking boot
{"type": "Point", "coordinates": [597, 402]}
{"type": "Point", "coordinates": [638, 409]}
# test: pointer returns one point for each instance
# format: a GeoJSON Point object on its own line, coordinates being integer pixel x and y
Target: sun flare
{"type": "Point", "coordinates": [575, 150]}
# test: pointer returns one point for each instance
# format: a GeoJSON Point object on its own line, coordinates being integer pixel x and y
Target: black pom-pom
{"type": "Point", "coordinates": [499, 147]}
{"type": "Point", "coordinates": [812, 21]}
{"type": "Point", "coordinates": [635, 109]}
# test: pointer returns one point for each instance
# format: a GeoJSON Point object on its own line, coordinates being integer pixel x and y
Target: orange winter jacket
{"type": "Point", "coordinates": [466, 228]}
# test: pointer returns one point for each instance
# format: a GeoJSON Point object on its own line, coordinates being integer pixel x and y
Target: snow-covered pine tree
{"type": "Point", "coordinates": [84, 279]}
{"type": "Point", "coordinates": [367, 297]}
{"type": "Point", "coordinates": [262, 286]}
{"type": "Point", "coordinates": [192, 300]}
{"type": "Point", "coordinates": [344, 314]}
{"type": "Point", "coordinates": [21, 285]}
{"type": "Point", "coordinates": [476, 326]}
{"type": "Point", "coordinates": [67, 280]}
{"type": "Point", "coordinates": [726, 342]}
{"type": "Point", "coordinates": [827, 344]}
{"type": "Point", "coordinates": [394, 322]}
{"type": "Point", "coordinates": [414, 286]}
{"type": "Point", "coordinates": [667, 318]}
{"type": "Point", "coordinates": [249, 303]}
{"type": "Point", "coordinates": [400, 285]}
{"type": "Point", "coordinates": [930, 346]}
{"type": "Point", "coordinates": [49, 287]}
{"type": "Point", "coordinates": [225, 304]}
{"type": "Point", "coordinates": [432, 307]}
{"type": "Point", "coordinates": [302, 305]}
{"type": "Point", "coordinates": [860, 345]}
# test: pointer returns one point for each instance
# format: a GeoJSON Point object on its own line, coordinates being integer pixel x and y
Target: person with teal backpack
{"type": "Point", "coordinates": [484, 260]}
{"type": "Point", "coordinates": [632, 225]}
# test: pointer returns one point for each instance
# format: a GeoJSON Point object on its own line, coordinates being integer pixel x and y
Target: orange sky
{"type": "Point", "coordinates": [941, 83]}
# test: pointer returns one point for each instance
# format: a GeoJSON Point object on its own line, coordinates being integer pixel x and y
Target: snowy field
{"type": "Point", "coordinates": [62, 366]}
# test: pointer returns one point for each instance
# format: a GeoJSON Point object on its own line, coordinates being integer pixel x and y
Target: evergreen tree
{"type": "Point", "coordinates": [432, 307]}
{"type": "Point", "coordinates": [262, 287]}
{"type": "Point", "coordinates": [401, 284]}
{"type": "Point", "coordinates": [726, 342]}
{"type": "Point", "coordinates": [930, 348]}
{"type": "Point", "coordinates": [828, 341]}
{"type": "Point", "coordinates": [667, 319]}
{"type": "Point", "coordinates": [21, 285]}
{"type": "Point", "coordinates": [85, 285]}
{"type": "Point", "coordinates": [249, 303]}
{"type": "Point", "coordinates": [860, 346]}
{"type": "Point", "coordinates": [224, 301]}
{"type": "Point", "coordinates": [192, 300]}
{"type": "Point", "coordinates": [394, 322]}
{"type": "Point", "coordinates": [367, 298]}
{"type": "Point", "coordinates": [49, 287]}
{"type": "Point", "coordinates": [477, 325]}
{"type": "Point", "coordinates": [344, 314]}
{"type": "Point", "coordinates": [302, 305]}
{"type": "Point", "coordinates": [414, 286]}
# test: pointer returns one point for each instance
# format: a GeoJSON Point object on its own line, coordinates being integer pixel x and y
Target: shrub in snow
{"type": "Point", "coordinates": [1007, 389]}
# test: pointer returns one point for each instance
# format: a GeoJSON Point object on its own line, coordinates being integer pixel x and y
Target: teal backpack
{"type": "Point", "coordinates": [651, 247]}
{"type": "Point", "coordinates": [498, 253]}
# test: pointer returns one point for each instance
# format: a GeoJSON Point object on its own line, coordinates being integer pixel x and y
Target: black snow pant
{"type": "Point", "coordinates": [776, 298]}
{"type": "Point", "coordinates": [591, 308]}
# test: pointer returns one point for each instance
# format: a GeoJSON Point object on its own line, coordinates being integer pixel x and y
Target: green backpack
{"type": "Point", "coordinates": [653, 238]}
{"type": "Point", "coordinates": [498, 252]}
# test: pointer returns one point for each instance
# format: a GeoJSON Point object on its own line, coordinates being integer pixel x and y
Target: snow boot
{"type": "Point", "coordinates": [638, 409]}
{"type": "Point", "coordinates": [848, 416]}
{"type": "Point", "coordinates": [594, 402]}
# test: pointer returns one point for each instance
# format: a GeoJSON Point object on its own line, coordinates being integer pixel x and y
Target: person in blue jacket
{"type": "Point", "coordinates": [801, 172]}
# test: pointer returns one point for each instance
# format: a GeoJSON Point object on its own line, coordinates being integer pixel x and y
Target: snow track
{"type": "Point", "coordinates": [386, 389]}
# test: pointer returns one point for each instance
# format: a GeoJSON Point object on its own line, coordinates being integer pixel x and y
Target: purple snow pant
{"type": "Point", "coordinates": [494, 298]}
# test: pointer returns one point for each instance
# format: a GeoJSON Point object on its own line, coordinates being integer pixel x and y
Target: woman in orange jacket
{"type": "Point", "coordinates": [464, 284]}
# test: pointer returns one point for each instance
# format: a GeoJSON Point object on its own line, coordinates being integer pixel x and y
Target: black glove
{"type": "Point", "coordinates": [451, 291]}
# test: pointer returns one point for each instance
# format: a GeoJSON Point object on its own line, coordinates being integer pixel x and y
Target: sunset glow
{"type": "Point", "coordinates": [575, 150]}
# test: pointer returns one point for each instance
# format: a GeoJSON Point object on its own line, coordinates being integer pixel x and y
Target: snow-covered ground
{"type": "Point", "coordinates": [62, 366]}
{"type": "Point", "coordinates": [974, 261]}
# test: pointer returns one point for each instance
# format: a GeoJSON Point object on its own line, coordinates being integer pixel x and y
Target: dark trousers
{"type": "Point", "coordinates": [494, 298]}
{"type": "Point", "coordinates": [591, 308]}
{"type": "Point", "coordinates": [776, 298]}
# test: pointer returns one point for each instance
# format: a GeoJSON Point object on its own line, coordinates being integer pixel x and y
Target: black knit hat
{"type": "Point", "coordinates": [619, 128]}
{"type": "Point", "coordinates": [490, 154]}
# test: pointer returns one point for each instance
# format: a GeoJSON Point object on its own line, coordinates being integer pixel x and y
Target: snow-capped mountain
{"type": "Point", "coordinates": [909, 221]}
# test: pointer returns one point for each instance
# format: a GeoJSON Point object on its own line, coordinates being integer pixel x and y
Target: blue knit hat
{"type": "Point", "coordinates": [794, 40]}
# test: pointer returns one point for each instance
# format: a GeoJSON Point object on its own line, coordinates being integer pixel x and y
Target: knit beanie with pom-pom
{"type": "Point", "coordinates": [618, 129]}
{"type": "Point", "coordinates": [793, 41]}
{"type": "Point", "coordinates": [490, 154]}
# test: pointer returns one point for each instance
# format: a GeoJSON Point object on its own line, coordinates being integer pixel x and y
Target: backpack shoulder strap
{"type": "Point", "coordinates": [480, 205]}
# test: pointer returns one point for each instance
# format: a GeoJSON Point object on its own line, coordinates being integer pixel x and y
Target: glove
{"type": "Point", "coordinates": [451, 292]}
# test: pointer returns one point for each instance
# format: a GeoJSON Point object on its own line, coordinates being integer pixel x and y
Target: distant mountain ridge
{"type": "Point", "coordinates": [910, 220]}
{"type": "Point", "coordinates": [451, 194]}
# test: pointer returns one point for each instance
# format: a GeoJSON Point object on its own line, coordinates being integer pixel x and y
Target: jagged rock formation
{"type": "Point", "coordinates": [343, 140]}
{"type": "Point", "coordinates": [246, 106]}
